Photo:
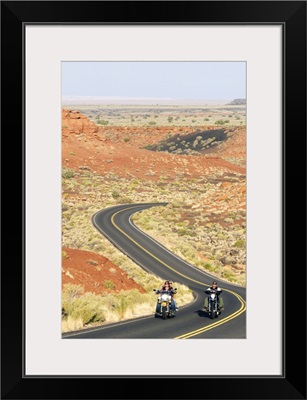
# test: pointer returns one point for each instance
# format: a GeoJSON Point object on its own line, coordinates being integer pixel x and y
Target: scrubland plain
{"type": "Point", "coordinates": [192, 157]}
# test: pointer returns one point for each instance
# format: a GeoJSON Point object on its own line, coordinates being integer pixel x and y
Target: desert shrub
{"type": "Point", "coordinates": [240, 243]}
{"type": "Point", "coordinates": [228, 275]}
{"type": "Point", "coordinates": [88, 308]}
{"type": "Point", "coordinates": [102, 122]}
{"type": "Point", "coordinates": [221, 122]}
{"type": "Point", "coordinates": [115, 194]}
{"type": "Point", "coordinates": [108, 284]}
{"type": "Point", "coordinates": [67, 173]}
{"type": "Point", "coordinates": [170, 119]}
{"type": "Point", "coordinates": [209, 267]}
{"type": "Point", "coordinates": [72, 292]}
{"type": "Point", "coordinates": [124, 200]}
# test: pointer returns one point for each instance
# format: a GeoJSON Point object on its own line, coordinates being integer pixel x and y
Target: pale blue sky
{"type": "Point", "coordinates": [171, 80]}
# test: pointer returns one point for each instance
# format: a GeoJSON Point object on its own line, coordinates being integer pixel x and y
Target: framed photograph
{"type": "Point", "coordinates": [215, 91]}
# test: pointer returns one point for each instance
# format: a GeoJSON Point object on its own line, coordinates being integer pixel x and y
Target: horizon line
{"type": "Point", "coordinates": [145, 100]}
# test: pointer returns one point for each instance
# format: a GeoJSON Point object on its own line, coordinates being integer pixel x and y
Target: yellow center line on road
{"type": "Point", "coordinates": [214, 325]}
{"type": "Point", "coordinates": [207, 327]}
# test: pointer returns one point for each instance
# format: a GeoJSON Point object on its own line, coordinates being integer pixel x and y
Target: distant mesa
{"type": "Point", "coordinates": [237, 102]}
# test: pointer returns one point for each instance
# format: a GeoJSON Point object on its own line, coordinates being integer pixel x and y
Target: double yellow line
{"type": "Point", "coordinates": [207, 327]}
{"type": "Point", "coordinates": [217, 323]}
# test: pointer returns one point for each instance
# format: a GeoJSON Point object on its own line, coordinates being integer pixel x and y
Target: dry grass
{"type": "Point", "coordinates": [81, 310]}
{"type": "Point", "coordinates": [71, 324]}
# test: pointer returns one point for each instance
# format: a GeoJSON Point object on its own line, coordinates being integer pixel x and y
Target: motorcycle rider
{"type": "Point", "coordinates": [214, 288]}
{"type": "Point", "coordinates": [173, 292]}
{"type": "Point", "coordinates": [167, 288]}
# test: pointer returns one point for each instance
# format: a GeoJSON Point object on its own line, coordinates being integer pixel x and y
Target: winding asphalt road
{"type": "Point", "coordinates": [190, 321]}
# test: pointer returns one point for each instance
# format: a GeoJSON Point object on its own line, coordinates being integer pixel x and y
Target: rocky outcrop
{"type": "Point", "coordinates": [75, 122]}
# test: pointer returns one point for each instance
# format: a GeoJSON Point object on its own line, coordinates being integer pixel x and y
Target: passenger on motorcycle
{"type": "Point", "coordinates": [214, 288]}
{"type": "Point", "coordinates": [166, 288]}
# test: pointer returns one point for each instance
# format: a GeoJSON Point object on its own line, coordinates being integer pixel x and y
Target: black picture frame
{"type": "Point", "coordinates": [292, 16]}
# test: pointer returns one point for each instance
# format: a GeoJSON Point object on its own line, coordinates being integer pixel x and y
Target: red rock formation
{"type": "Point", "coordinates": [75, 122]}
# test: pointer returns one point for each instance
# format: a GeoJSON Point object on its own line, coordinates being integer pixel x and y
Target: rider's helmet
{"type": "Point", "coordinates": [214, 284]}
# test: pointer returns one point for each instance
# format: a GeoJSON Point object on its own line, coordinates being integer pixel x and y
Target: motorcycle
{"type": "Point", "coordinates": [164, 308]}
{"type": "Point", "coordinates": [213, 307]}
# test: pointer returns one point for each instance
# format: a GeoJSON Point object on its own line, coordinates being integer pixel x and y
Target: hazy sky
{"type": "Point", "coordinates": [169, 80]}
